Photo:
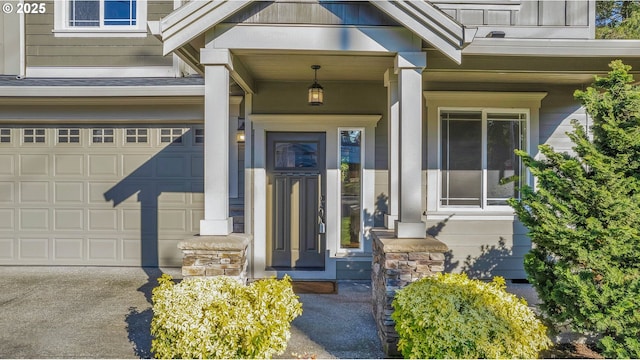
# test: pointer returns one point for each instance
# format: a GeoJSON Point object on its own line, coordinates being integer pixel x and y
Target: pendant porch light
{"type": "Point", "coordinates": [316, 92]}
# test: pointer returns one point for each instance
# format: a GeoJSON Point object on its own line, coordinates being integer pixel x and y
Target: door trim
{"type": "Point", "coordinates": [260, 124]}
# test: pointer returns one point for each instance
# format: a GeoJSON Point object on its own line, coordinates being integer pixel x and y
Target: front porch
{"type": "Point", "coordinates": [312, 218]}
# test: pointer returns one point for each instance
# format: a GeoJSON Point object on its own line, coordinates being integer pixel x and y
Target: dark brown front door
{"type": "Point", "coordinates": [296, 169]}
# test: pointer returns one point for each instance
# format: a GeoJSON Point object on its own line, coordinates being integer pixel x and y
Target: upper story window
{"type": "Point", "coordinates": [479, 168]}
{"type": "Point", "coordinates": [100, 18]}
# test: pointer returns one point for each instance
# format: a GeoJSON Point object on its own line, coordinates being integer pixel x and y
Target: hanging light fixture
{"type": "Point", "coordinates": [316, 92]}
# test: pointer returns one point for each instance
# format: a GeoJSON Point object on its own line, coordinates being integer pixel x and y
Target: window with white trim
{"type": "Point", "coordinates": [100, 16]}
{"type": "Point", "coordinates": [32, 136]}
{"type": "Point", "coordinates": [102, 136]}
{"type": "Point", "coordinates": [68, 136]}
{"type": "Point", "coordinates": [479, 168]}
{"type": "Point", "coordinates": [5, 135]}
{"type": "Point", "coordinates": [172, 135]}
{"type": "Point", "coordinates": [136, 136]}
{"type": "Point", "coordinates": [198, 136]}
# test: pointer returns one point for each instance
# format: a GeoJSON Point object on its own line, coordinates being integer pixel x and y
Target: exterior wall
{"type": "Point", "coordinates": [483, 248]}
{"type": "Point", "coordinates": [44, 49]}
{"type": "Point", "coordinates": [485, 244]}
{"type": "Point", "coordinates": [9, 44]}
{"type": "Point", "coordinates": [527, 18]}
{"type": "Point", "coordinates": [330, 13]}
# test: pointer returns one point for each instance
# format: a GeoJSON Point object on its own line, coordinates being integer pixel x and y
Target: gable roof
{"type": "Point", "coordinates": [421, 17]}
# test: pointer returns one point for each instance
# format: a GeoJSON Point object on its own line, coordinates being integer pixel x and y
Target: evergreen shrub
{"type": "Point", "coordinates": [452, 316]}
{"type": "Point", "coordinates": [221, 318]}
{"type": "Point", "coordinates": [584, 219]}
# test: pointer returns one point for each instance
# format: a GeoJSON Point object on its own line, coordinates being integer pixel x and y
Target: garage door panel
{"type": "Point", "coordinates": [71, 192]}
{"type": "Point", "coordinates": [34, 192]}
{"type": "Point", "coordinates": [137, 166]}
{"type": "Point", "coordinates": [6, 193]}
{"type": "Point", "coordinates": [172, 198]}
{"type": "Point", "coordinates": [197, 193]}
{"type": "Point", "coordinates": [68, 248]}
{"type": "Point", "coordinates": [196, 216]}
{"type": "Point", "coordinates": [7, 249]}
{"type": "Point", "coordinates": [168, 252]}
{"type": "Point", "coordinates": [171, 165]}
{"type": "Point", "coordinates": [34, 219]}
{"type": "Point", "coordinates": [103, 165]}
{"type": "Point", "coordinates": [103, 249]}
{"type": "Point", "coordinates": [172, 220]}
{"type": "Point", "coordinates": [33, 248]}
{"type": "Point", "coordinates": [7, 165]}
{"type": "Point", "coordinates": [197, 166]}
{"type": "Point", "coordinates": [68, 165]}
{"type": "Point", "coordinates": [68, 219]}
{"type": "Point", "coordinates": [7, 219]}
{"type": "Point", "coordinates": [131, 250]}
{"type": "Point", "coordinates": [129, 192]}
{"type": "Point", "coordinates": [103, 220]}
{"type": "Point", "coordinates": [34, 164]}
{"type": "Point", "coordinates": [131, 219]}
{"type": "Point", "coordinates": [97, 190]}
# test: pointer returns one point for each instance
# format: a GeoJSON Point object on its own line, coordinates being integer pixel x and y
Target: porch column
{"type": "Point", "coordinates": [408, 67]}
{"type": "Point", "coordinates": [393, 137]}
{"type": "Point", "coordinates": [216, 142]}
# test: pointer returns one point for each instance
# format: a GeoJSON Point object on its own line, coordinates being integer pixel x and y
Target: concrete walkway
{"type": "Point", "coordinates": [103, 312]}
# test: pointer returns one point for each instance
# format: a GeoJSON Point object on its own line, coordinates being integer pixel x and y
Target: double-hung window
{"type": "Point", "coordinates": [479, 168]}
{"type": "Point", "coordinates": [125, 17]}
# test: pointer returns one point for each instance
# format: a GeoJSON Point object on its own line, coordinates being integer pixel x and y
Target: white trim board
{"type": "Point", "coordinates": [553, 47]}
{"type": "Point", "coordinates": [100, 91]}
{"type": "Point", "coordinates": [107, 71]}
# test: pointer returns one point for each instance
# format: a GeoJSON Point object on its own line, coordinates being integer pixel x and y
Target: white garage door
{"type": "Point", "coordinates": [99, 195]}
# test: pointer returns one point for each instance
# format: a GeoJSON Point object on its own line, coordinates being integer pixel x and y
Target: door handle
{"type": "Point", "coordinates": [322, 227]}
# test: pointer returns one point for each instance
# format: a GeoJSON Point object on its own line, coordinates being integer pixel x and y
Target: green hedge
{"type": "Point", "coordinates": [451, 316]}
{"type": "Point", "coordinates": [221, 318]}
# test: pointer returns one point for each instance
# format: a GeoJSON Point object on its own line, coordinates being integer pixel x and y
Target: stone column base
{"type": "Point", "coordinates": [215, 255]}
{"type": "Point", "coordinates": [396, 264]}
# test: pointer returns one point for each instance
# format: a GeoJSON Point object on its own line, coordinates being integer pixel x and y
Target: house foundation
{"type": "Point", "coordinates": [214, 255]}
{"type": "Point", "coordinates": [396, 264]}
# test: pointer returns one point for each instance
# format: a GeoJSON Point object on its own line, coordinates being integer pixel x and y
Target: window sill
{"type": "Point", "coordinates": [100, 33]}
{"type": "Point", "coordinates": [452, 214]}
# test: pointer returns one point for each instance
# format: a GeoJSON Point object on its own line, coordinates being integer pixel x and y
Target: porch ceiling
{"type": "Point", "coordinates": [297, 67]}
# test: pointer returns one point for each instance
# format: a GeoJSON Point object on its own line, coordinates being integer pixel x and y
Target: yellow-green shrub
{"type": "Point", "coordinates": [451, 316]}
{"type": "Point", "coordinates": [221, 318]}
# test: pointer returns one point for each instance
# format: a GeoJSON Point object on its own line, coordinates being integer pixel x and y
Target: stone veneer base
{"type": "Point", "coordinates": [396, 264]}
{"type": "Point", "coordinates": [215, 255]}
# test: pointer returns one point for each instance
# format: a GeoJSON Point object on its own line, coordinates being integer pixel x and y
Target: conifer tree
{"type": "Point", "coordinates": [584, 219]}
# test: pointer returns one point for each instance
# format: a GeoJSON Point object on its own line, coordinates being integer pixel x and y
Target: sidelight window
{"type": "Point", "coordinates": [350, 188]}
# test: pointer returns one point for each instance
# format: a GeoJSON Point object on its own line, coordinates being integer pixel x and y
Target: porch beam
{"type": "Point", "coordinates": [408, 67]}
{"type": "Point", "coordinates": [236, 68]}
{"type": "Point", "coordinates": [340, 39]}
{"type": "Point", "coordinates": [216, 144]}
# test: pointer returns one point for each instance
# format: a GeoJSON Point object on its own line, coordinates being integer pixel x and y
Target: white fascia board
{"type": "Point", "coordinates": [101, 91]}
{"type": "Point", "coordinates": [336, 38]}
{"type": "Point", "coordinates": [194, 18]}
{"type": "Point", "coordinates": [99, 72]}
{"type": "Point", "coordinates": [554, 47]}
